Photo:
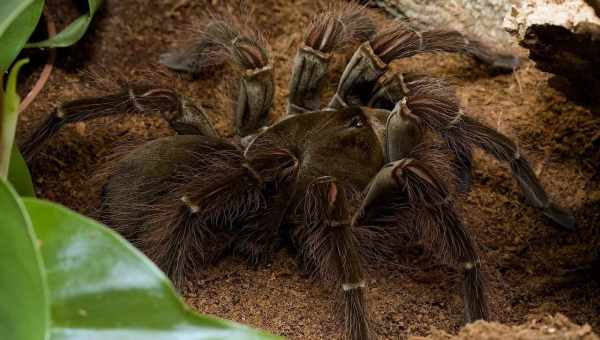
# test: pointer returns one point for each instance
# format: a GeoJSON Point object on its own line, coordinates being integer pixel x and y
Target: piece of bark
{"type": "Point", "coordinates": [563, 38]}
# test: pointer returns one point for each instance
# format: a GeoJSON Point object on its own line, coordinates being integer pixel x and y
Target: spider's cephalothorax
{"type": "Point", "coordinates": [347, 184]}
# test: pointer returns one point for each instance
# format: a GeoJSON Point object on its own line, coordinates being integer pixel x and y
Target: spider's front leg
{"type": "Point", "coordinates": [372, 58]}
{"type": "Point", "coordinates": [181, 113]}
{"type": "Point", "coordinates": [407, 197]}
{"type": "Point", "coordinates": [256, 88]}
{"type": "Point", "coordinates": [327, 33]}
{"type": "Point", "coordinates": [326, 243]}
{"type": "Point", "coordinates": [394, 90]}
{"type": "Point", "coordinates": [228, 40]}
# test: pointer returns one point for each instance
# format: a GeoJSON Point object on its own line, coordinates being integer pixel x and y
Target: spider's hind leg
{"type": "Point", "coordinates": [175, 197]}
{"type": "Point", "coordinates": [186, 200]}
{"type": "Point", "coordinates": [277, 170]}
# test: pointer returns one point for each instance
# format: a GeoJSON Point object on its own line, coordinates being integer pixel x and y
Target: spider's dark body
{"type": "Point", "coordinates": [281, 162]}
{"type": "Point", "coordinates": [386, 161]}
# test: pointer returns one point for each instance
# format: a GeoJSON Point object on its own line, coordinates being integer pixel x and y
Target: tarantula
{"type": "Point", "coordinates": [384, 163]}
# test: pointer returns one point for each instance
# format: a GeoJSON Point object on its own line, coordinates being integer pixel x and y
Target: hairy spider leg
{"type": "Point", "coordinates": [181, 113]}
{"type": "Point", "coordinates": [328, 32]}
{"type": "Point", "coordinates": [227, 39]}
{"type": "Point", "coordinates": [326, 243]}
{"type": "Point", "coordinates": [407, 198]}
{"type": "Point", "coordinates": [185, 200]}
{"type": "Point", "coordinates": [373, 57]}
{"type": "Point", "coordinates": [434, 103]}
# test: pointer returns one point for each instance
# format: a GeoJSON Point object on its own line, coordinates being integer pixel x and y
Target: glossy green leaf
{"type": "Point", "coordinates": [9, 113]}
{"type": "Point", "coordinates": [18, 174]}
{"type": "Point", "coordinates": [24, 308]}
{"type": "Point", "coordinates": [101, 287]}
{"type": "Point", "coordinates": [72, 33]}
{"type": "Point", "coordinates": [18, 19]}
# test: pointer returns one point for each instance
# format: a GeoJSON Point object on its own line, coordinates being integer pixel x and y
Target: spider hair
{"type": "Point", "coordinates": [328, 246]}
{"type": "Point", "coordinates": [181, 225]}
{"type": "Point", "coordinates": [223, 38]}
{"type": "Point", "coordinates": [397, 41]}
{"type": "Point", "coordinates": [339, 26]}
{"type": "Point", "coordinates": [133, 99]}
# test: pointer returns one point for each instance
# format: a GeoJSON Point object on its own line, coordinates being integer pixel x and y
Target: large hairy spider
{"type": "Point", "coordinates": [385, 162]}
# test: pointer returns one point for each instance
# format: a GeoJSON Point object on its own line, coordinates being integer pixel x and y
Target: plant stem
{"type": "Point", "coordinates": [8, 118]}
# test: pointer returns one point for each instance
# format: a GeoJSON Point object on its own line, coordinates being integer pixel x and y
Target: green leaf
{"type": "Point", "coordinates": [8, 118]}
{"type": "Point", "coordinates": [18, 174]}
{"type": "Point", "coordinates": [24, 311]}
{"type": "Point", "coordinates": [101, 287]}
{"type": "Point", "coordinates": [72, 33]}
{"type": "Point", "coordinates": [18, 19]}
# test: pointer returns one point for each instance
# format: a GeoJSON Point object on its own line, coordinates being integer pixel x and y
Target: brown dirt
{"type": "Point", "coordinates": [533, 268]}
{"type": "Point", "coordinates": [557, 327]}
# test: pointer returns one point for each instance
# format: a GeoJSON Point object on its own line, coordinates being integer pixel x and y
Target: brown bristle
{"type": "Point", "coordinates": [399, 41]}
{"type": "Point", "coordinates": [475, 292]}
{"type": "Point", "coordinates": [395, 43]}
{"type": "Point", "coordinates": [181, 213]}
{"type": "Point", "coordinates": [325, 240]}
{"type": "Point", "coordinates": [139, 99]}
{"type": "Point", "coordinates": [250, 54]}
{"type": "Point", "coordinates": [222, 39]}
{"type": "Point", "coordinates": [339, 26]}
{"type": "Point", "coordinates": [324, 33]}
{"type": "Point", "coordinates": [258, 236]}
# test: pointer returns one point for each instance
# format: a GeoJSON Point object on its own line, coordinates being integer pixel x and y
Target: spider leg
{"type": "Point", "coordinates": [402, 132]}
{"type": "Point", "coordinates": [185, 200]}
{"type": "Point", "coordinates": [503, 149]}
{"type": "Point", "coordinates": [223, 40]}
{"type": "Point", "coordinates": [328, 32]}
{"type": "Point", "coordinates": [372, 58]}
{"type": "Point", "coordinates": [181, 113]}
{"type": "Point", "coordinates": [394, 87]}
{"type": "Point", "coordinates": [176, 199]}
{"type": "Point", "coordinates": [437, 107]}
{"type": "Point", "coordinates": [208, 49]}
{"type": "Point", "coordinates": [407, 196]}
{"type": "Point", "coordinates": [257, 237]}
{"type": "Point", "coordinates": [256, 88]}
{"type": "Point", "coordinates": [326, 243]}
{"type": "Point", "coordinates": [497, 59]}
